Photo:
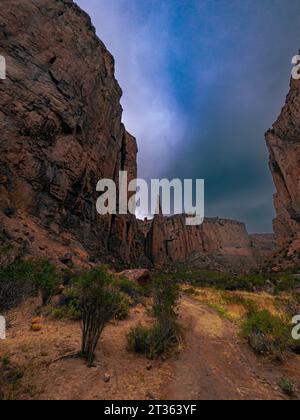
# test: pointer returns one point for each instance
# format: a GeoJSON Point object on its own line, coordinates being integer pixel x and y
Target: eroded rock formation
{"type": "Point", "coordinates": [61, 132]}
{"type": "Point", "coordinates": [217, 243]}
{"type": "Point", "coordinates": [283, 141]}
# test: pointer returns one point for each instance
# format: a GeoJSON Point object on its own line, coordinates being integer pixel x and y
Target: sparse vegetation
{"type": "Point", "coordinates": [264, 319]}
{"type": "Point", "coordinates": [10, 379]}
{"type": "Point", "coordinates": [16, 283]}
{"type": "Point", "coordinates": [26, 278]}
{"type": "Point", "coordinates": [124, 307]}
{"type": "Point", "coordinates": [287, 387]}
{"type": "Point", "coordinates": [232, 282]}
{"type": "Point", "coordinates": [156, 340]}
{"type": "Point", "coordinates": [130, 288]}
{"type": "Point", "coordinates": [266, 333]}
{"type": "Point", "coordinates": [46, 279]}
{"type": "Point", "coordinates": [99, 302]}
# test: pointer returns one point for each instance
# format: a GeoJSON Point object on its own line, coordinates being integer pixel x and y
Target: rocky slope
{"type": "Point", "coordinates": [283, 141]}
{"type": "Point", "coordinates": [61, 132]}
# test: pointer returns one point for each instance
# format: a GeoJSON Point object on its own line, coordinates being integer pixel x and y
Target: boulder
{"type": "Point", "coordinates": [141, 276]}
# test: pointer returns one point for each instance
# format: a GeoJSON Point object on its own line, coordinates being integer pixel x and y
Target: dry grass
{"type": "Point", "coordinates": [33, 352]}
{"type": "Point", "coordinates": [234, 305]}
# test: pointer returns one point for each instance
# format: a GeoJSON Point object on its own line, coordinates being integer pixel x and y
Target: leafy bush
{"type": "Point", "coordinates": [24, 279]}
{"type": "Point", "coordinates": [156, 340]}
{"type": "Point", "coordinates": [46, 279]}
{"type": "Point", "coordinates": [151, 341]}
{"type": "Point", "coordinates": [166, 296]}
{"type": "Point", "coordinates": [17, 282]}
{"type": "Point", "coordinates": [129, 287]}
{"type": "Point", "coordinates": [124, 308]}
{"type": "Point", "coordinates": [68, 312]}
{"type": "Point", "coordinates": [99, 302]}
{"type": "Point", "coordinates": [233, 282]}
{"type": "Point", "coordinates": [266, 334]}
{"type": "Point", "coordinates": [287, 387]}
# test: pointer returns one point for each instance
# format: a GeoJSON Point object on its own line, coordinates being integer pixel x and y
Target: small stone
{"type": "Point", "coordinates": [150, 396]}
{"type": "Point", "coordinates": [106, 378]}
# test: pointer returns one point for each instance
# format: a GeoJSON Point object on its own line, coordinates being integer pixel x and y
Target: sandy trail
{"type": "Point", "coordinates": [215, 364]}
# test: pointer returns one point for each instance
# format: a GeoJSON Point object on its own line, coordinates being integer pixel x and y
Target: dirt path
{"type": "Point", "coordinates": [215, 364]}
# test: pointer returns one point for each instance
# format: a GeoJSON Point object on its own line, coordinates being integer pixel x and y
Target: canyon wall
{"type": "Point", "coordinates": [283, 141]}
{"type": "Point", "coordinates": [61, 131]}
{"type": "Point", "coordinates": [216, 244]}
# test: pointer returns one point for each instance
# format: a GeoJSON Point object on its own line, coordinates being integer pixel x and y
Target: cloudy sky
{"type": "Point", "coordinates": [202, 81]}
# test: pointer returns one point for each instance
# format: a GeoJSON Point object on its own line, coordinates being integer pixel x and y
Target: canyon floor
{"type": "Point", "coordinates": [212, 362]}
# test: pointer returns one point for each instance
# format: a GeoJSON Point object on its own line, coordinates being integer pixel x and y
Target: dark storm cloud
{"type": "Point", "coordinates": [244, 70]}
{"type": "Point", "coordinates": [203, 80]}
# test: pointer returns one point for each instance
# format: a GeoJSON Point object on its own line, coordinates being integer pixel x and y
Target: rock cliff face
{"type": "Point", "coordinates": [61, 131]}
{"type": "Point", "coordinates": [283, 141]}
{"type": "Point", "coordinates": [217, 243]}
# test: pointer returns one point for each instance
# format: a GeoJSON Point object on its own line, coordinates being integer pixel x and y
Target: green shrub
{"type": "Point", "coordinates": [124, 308]}
{"type": "Point", "coordinates": [99, 302]}
{"type": "Point", "coordinates": [287, 387]}
{"type": "Point", "coordinates": [46, 279]}
{"type": "Point", "coordinates": [139, 340]}
{"type": "Point", "coordinates": [233, 282]}
{"type": "Point", "coordinates": [151, 341]}
{"type": "Point", "coordinates": [17, 282]}
{"type": "Point", "coordinates": [156, 340]}
{"type": "Point", "coordinates": [68, 312]}
{"type": "Point", "coordinates": [286, 282]}
{"type": "Point", "coordinates": [131, 289]}
{"type": "Point", "coordinates": [166, 296]}
{"type": "Point", "coordinates": [23, 279]}
{"type": "Point", "coordinates": [266, 334]}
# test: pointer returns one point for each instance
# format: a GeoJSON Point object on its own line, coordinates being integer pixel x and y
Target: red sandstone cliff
{"type": "Point", "coordinates": [61, 131]}
{"type": "Point", "coordinates": [217, 243]}
{"type": "Point", "coordinates": [283, 141]}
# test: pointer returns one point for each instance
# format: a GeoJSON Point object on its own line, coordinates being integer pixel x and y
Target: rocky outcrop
{"type": "Point", "coordinates": [61, 131]}
{"type": "Point", "coordinates": [283, 141]}
{"type": "Point", "coordinates": [217, 243]}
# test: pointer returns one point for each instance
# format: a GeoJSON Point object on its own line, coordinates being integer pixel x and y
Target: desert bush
{"type": "Point", "coordinates": [285, 282]}
{"type": "Point", "coordinates": [17, 282]}
{"type": "Point", "coordinates": [124, 308]}
{"type": "Point", "coordinates": [67, 306]}
{"type": "Point", "coordinates": [99, 302]}
{"type": "Point", "coordinates": [67, 312]}
{"type": "Point", "coordinates": [266, 334]}
{"type": "Point", "coordinates": [166, 296]}
{"type": "Point", "coordinates": [10, 379]}
{"type": "Point", "coordinates": [155, 340]}
{"type": "Point", "coordinates": [287, 387]}
{"type": "Point", "coordinates": [132, 289]}
{"type": "Point", "coordinates": [233, 282]}
{"type": "Point", "coordinates": [151, 341]}
{"type": "Point", "coordinates": [46, 279]}
{"type": "Point", "coordinates": [26, 278]}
